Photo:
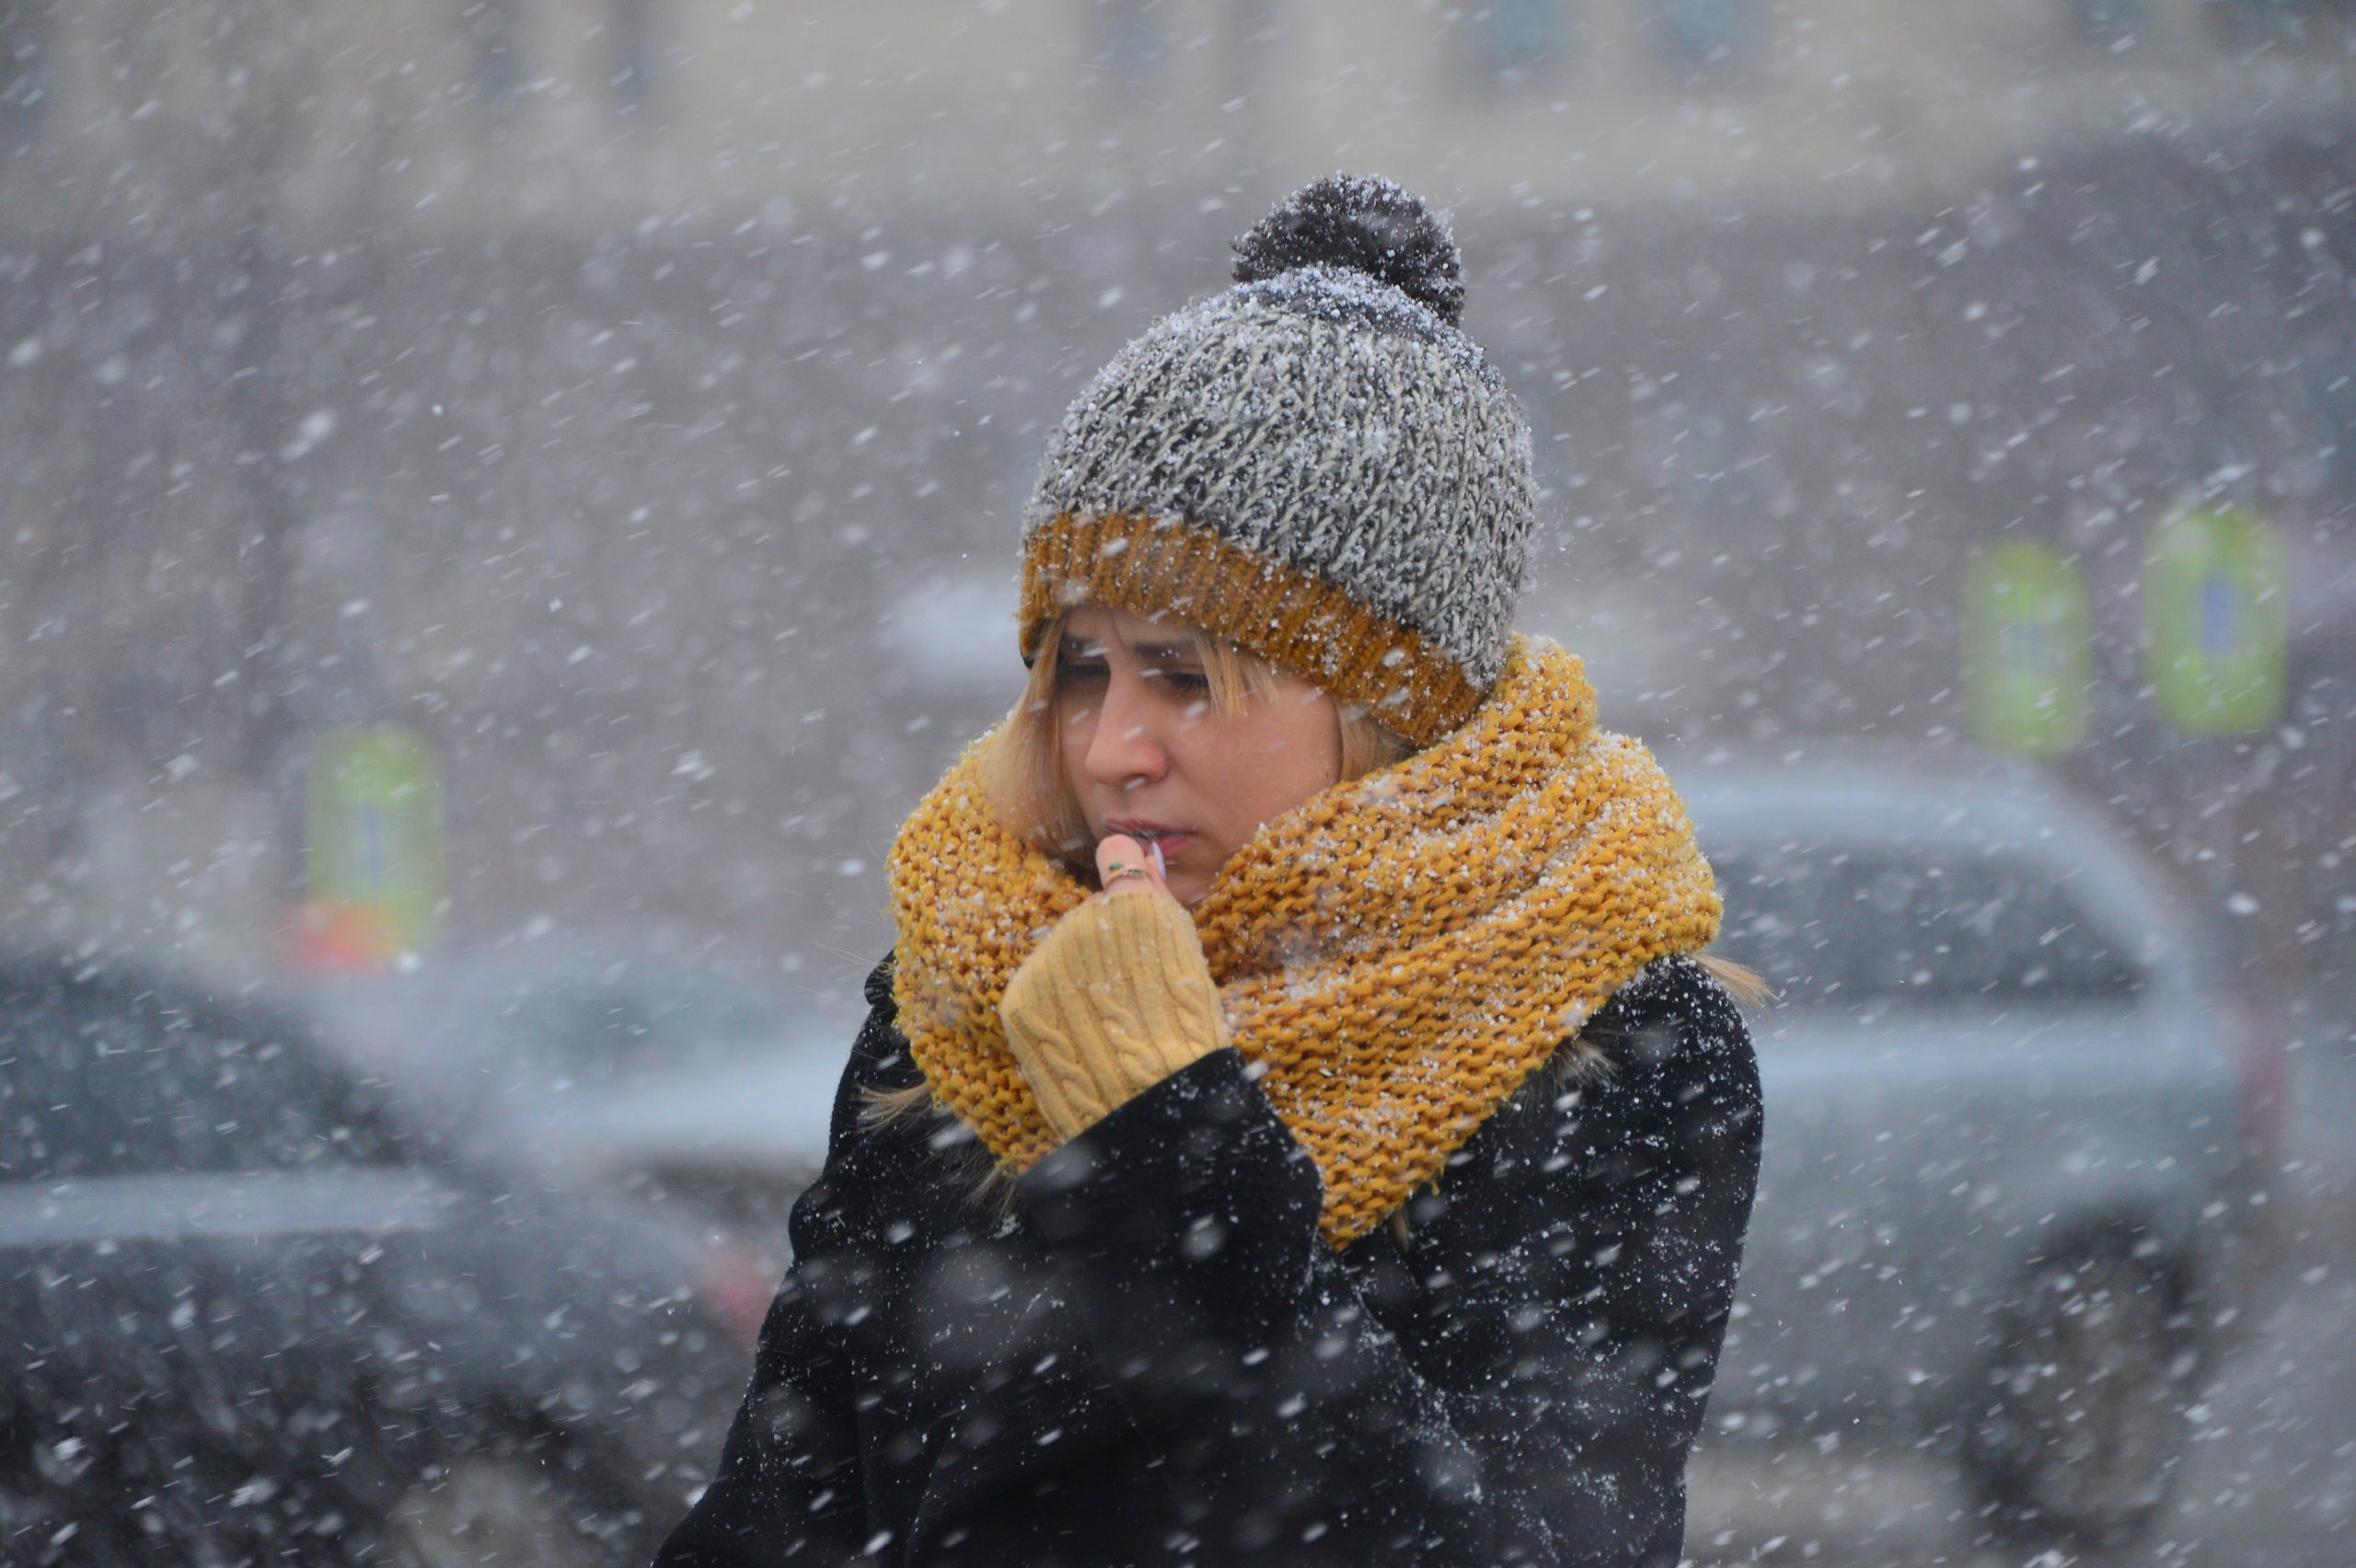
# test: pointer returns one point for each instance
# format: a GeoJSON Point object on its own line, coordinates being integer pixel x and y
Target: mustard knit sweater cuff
{"type": "Point", "coordinates": [1114, 999]}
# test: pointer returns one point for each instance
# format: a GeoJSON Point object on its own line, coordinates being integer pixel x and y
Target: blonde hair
{"type": "Point", "coordinates": [1024, 770]}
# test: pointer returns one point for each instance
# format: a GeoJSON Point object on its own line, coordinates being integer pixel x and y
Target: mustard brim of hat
{"type": "Point", "coordinates": [1151, 566]}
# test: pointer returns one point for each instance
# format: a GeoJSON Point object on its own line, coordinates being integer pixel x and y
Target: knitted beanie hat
{"type": "Point", "coordinates": [1317, 465]}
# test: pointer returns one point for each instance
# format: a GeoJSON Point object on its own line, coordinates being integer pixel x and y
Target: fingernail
{"type": "Point", "coordinates": [1161, 867]}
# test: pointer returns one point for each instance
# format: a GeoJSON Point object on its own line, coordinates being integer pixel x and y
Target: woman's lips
{"type": "Point", "coordinates": [1170, 839]}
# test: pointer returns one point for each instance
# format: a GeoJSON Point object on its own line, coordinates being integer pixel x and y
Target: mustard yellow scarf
{"type": "Point", "coordinates": [1398, 952]}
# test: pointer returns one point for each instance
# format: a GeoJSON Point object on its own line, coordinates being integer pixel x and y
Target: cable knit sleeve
{"type": "Point", "coordinates": [1521, 1383]}
{"type": "Point", "coordinates": [1115, 999]}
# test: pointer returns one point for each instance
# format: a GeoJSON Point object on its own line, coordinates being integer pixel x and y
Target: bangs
{"type": "Point", "coordinates": [1023, 772]}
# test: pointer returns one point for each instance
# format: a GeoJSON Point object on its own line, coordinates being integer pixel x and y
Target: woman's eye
{"type": "Point", "coordinates": [1069, 673]}
{"type": "Point", "coordinates": [1189, 681]}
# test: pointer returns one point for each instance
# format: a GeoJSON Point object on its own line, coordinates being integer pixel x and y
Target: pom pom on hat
{"type": "Point", "coordinates": [1368, 224]}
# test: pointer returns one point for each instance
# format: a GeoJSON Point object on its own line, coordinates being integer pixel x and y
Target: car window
{"type": "Point", "coordinates": [103, 1077]}
{"type": "Point", "coordinates": [1834, 926]}
{"type": "Point", "coordinates": [595, 1026]}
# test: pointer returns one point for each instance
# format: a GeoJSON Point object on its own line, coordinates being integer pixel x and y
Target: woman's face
{"type": "Point", "coordinates": [1145, 751]}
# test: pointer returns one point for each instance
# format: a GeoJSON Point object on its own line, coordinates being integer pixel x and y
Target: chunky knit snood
{"type": "Point", "coordinates": [1395, 955]}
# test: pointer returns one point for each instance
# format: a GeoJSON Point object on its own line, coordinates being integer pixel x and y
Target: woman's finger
{"type": "Point", "coordinates": [1123, 864]}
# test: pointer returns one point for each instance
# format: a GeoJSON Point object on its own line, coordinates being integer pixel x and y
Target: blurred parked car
{"type": "Point", "coordinates": [253, 1319]}
{"type": "Point", "coordinates": [2015, 1134]}
{"type": "Point", "coordinates": [610, 1059]}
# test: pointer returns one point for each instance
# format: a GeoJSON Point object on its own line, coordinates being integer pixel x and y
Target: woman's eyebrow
{"type": "Point", "coordinates": [1151, 653]}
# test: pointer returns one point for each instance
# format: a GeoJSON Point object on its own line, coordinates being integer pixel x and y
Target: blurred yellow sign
{"type": "Point", "coordinates": [2025, 648]}
{"type": "Point", "coordinates": [376, 877]}
{"type": "Point", "coordinates": [2216, 628]}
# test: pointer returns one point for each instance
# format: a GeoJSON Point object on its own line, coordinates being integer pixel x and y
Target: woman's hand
{"type": "Point", "coordinates": [1115, 998]}
{"type": "Point", "coordinates": [1124, 865]}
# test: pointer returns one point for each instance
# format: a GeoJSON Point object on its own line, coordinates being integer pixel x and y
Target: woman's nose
{"type": "Point", "coordinates": [1125, 746]}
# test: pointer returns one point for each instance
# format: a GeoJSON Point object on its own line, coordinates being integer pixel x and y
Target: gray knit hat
{"type": "Point", "coordinates": [1315, 465]}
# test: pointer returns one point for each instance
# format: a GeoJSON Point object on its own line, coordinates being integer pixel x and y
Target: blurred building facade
{"type": "Point", "coordinates": [605, 390]}
{"type": "Point", "coordinates": [594, 114]}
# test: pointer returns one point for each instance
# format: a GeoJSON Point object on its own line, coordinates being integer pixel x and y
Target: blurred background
{"type": "Point", "coordinates": [505, 504]}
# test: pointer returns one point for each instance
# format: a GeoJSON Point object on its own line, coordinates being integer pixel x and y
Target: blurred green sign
{"type": "Point", "coordinates": [375, 825]}
{"type": "Point", "coordinates": [2026, 651]}
{"type": "Point", "coordinates": [2215, 622]}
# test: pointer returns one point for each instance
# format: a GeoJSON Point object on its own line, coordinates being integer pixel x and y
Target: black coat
{"type": "Point", "coordinates": [1152, 1356]}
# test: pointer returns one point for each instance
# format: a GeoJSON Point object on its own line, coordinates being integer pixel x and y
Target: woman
{"type": "Point", "coordinates": [1365, 1154]}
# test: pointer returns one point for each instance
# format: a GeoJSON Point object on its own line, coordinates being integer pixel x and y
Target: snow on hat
{"type": "Point", "coordinates": [1316, 465]}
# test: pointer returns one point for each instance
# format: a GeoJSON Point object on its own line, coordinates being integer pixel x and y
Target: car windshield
{"type": "Point", "coordinates": [1830, 925]}
{"type": "Point", "coordinates": [633, 1020]}
{"type": "Point", "coordinates": [104, 1079]}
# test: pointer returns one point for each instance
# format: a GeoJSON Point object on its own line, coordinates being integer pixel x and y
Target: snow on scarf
{"type": "Point", "coordinates": [1396, 954]}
